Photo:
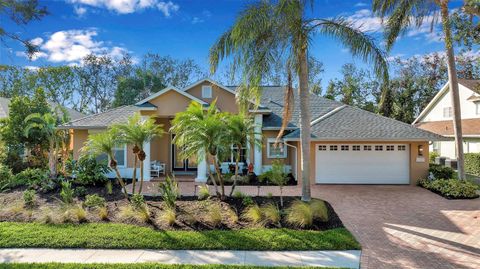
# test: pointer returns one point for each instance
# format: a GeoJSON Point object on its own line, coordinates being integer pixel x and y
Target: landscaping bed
{"type": "Point", "coordinates": [136, 266]}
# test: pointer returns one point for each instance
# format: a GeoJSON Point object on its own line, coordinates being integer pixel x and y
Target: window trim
{"type": "Point", "coordinates": [447, 112]}
{"type": "Point", "coordinates": [232, 155]}
{"type": "Point", "coordinates": [477, 108]}
{"type": "Point", "coordinates": [272, 140]}
{"type": "Point", "coordinates": [204, 88]}
{"type": "Point", "coordinates": [124, 147]}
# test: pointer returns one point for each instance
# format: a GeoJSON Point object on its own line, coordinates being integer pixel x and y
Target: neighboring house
{"type": "Point", "coordinates": [437, 118]}
{"type": "Point", "coordinates": [349, 145]}
{"type": "Point", "coordinates": [5, 103]}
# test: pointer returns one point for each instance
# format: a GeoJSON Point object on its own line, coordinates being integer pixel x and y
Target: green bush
{"type": "Point", "coordinates": [451, 188]}
{"type": "Point", "coordinates": [441, 172]}
{"type": "Point", "coordinates": [472, 164]}
{"type": "Point", "coordinates": [432, 156]}
{"type": "Point", "coordinates": [94, 201]}
{"type": "Point", "coordinates": [88, 171]}
{"type": "Point", "coordinates": [137, 201]}
{"type": "Point", "coordinates": [67, 192]}
{"type": "Point", "coordinates": [29, 198]}
{"type": "Point", "coordinates": [169, 191]}
{"type": "Point", "coordinates": [6, 178]}
{"type": "Point", "coordinates": [302, 214]}
{"type": "Point", "coordinates": [37, 179]}
{"type": "Point", "coordinates": [203, 192]}
{"type": "Point", "coordinates": [247, 200]}
{"type": "Point", "coordinates": [80, 191]}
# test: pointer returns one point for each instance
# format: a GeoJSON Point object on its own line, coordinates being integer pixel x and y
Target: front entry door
{"type": "Point", "coordinates": [178, 164]}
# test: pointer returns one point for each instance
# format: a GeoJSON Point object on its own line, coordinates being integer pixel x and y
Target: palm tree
{"type": "Point", "coordinates": [103, 144]}
{"type": "Point", "coordinates": [46, 126]}
{"type": "Point", "coordinates": [136, 132]}
{"type": "Point", "coordinates": [241, 130]}
{"type": "Point", "coordinates": [267, 31]}
{"type": "Point", "coordinates": [405, 13]}
{"type": "Point", "coordinates": [199, 129]}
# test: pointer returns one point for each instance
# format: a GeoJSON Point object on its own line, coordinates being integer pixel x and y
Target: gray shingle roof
{"type": "Point", "coordinates": [351, 123]}
{"type": "Point", "coordinates": [104, 119]}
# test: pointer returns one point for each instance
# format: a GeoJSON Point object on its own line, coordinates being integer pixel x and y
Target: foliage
{"type": "Point", "coordinates": [36, 179]}
{"type": "Point", "coordinates": [67, 192]}
{"type": "Point", "coordinates": [214, 214]}
{"type": "Point", "coordinates": [271, 214]}
{"type": "Point", "coordinates": [253, 214]}
{"type": "Point", "coordinates": [238, 194]}
{"type": "Point", "coordinates": [203, 192]}
{"type": "Point", "coordinates": [94, 201]}
{"type": "Point", "coordinates": [103, 213]}
{"type": "Point", "coordinates": [6, 177]}
{"type": "Point", "coordinates": [169, 191]}
{"type": "Point", "coordinates": [132, 266]}
{"type": "Point", "coordinates": [319, 209]}
{"type": "Point", "coordinates": [29, 198]}
{"type": "Point", "coordinates": [472, 164]}
{"type": "Point", "coordinates": [302, 214]}
{"type": "Point", "coordinates": [432, 156]}
{"type": "Point", "coordinates": [451, 188]}
{"type": "Point", "coordinates": [138, 202]}
{"type": "Point", "coordinates": [122, 236]}
{"type": "Point", "coordinates": [278, 177]}
{"type": "Point", "coordinates": [441, 172]}
{"type": "Point", "coordinates": [141, 215]}
{"type": "Point", "coordinates": [80, 191]}
{"type": "Point", "coordinates": [88, 171]}
{"type": "Point", "coordinates": [109, 187]}
{"type": "Point", "coordinates": [74, 213]}
{"type": "Point", "coordinates": [247, 200]}
{"type": "Point", "coordinates": [168, 216]}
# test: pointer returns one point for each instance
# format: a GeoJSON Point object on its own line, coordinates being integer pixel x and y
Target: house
{"type": "Point", "coordinates": [437, 118]}
{"type": "Point", "coordinates": [349, 145]}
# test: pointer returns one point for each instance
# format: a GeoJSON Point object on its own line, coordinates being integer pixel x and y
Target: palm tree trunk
{"type": "Point", "coordinates": [141, 178]}
{"type": "Point", "coordinates": [237, 160]}
{"type": "Point", "coordinates": [219, 176]}
{"type": "Point", "coordinates": [120, 181]}
{"type": "Point", "coordinates": [134, 176]}
{"type": "Point", "coordinates": [305, 118]}
{"type": "Point", "coordinates": [52, 165]}
{"type": "Point", "coordinates": [453, 83]}
{"type": "Point", "coordinates": [211, 176]}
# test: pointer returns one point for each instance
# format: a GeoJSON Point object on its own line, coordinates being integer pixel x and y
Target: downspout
{"type": "Point", "coordinates": [296, 152]}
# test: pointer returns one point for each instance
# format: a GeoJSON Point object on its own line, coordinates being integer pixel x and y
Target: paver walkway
{"type": "Point", "coordinates": [344, 259]}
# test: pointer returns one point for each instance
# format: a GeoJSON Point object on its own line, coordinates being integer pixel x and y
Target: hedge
{"type": "Point", "coordinates": [472, 164]}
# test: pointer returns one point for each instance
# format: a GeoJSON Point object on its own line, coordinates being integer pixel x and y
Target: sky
{"type": "Point", "coordinates": [183, 29]}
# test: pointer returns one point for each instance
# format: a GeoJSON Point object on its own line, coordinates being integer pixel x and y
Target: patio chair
{"type": "Point", "coordinates": [157, 168]}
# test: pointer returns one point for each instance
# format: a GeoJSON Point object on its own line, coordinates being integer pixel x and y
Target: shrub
{"type": "Point", "coordinates": [94, 201]}
{"type": "Point", "coordinates": [109, 187]}
{"type": "Point", "coordinates": [451, 188]}
{"type": "Point", "coordinates": [169, 191]}
{"type": "Point", "coordinates": [88, 171]}
{"type": "Point", "coordinates": [168, 216]}
{"type": "Point", "coordinates": [103, 213]}
{"type": "Point", "coordinates": [441, 172]}
{"type": "Point", "coordinates": [238, 194]}
{"type": "Point", "coordinates": [319, 209]}
{"type": "Point", "coordinates": [29, 198]}
{"type": "Point", "coordinates": [6, 178]}
{"type": "Point", "coordinates": [432, 156]}
{"type": "Point", "coordinates": [74, 214]}
{"type": "Point", "coordinates": [278, 177]}
{"type": "Point", "coordinates": [232, 215]}
{"type": "Point", "coordinates": [67, 192]}
{"type": "Point", "coordinates": [247, 201]}
{"type": "Point", "coordinates": [214, 214]}
{"type": "Point", "coordinates": [137, 201]}
{"type": "Point", "coordinates": [139, 215]}
{"type": "Point", "coordinates": [472, 164]}
{"type": "Point", "coordinates": [271, 214]}
{"type": "Point", "coordinates": [253, 214]}
{"type": "Point", "coordinates": [203, 192]}
{"type": "Point", "coordinates": [300, 214]}
{"type": "Point", "coordinates": [36, 179]}
{"type": "Point", "coordinates": [80, 191]}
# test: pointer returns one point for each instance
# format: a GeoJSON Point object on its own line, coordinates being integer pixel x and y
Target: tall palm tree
{"type": "Point", "coordinates": [45, 125]}
{"type": "Point", "coordinates": [406, 13]}
{"type": "Point", "coordinates": [199, 129]}
{"type": "Point", "coordinates": [104, 143]}
{"type": "Point", "coordinates": [136, 132]}
{"type": "Point", "coordinates": [241, 130]}
{"type": "Point", "coordinates": [270, 30]}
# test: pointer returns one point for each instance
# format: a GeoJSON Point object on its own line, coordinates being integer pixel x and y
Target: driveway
{"type": "Point", "coordinates": [407, 227]}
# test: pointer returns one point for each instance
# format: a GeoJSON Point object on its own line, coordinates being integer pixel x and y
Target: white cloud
{"type": "Point", "coordinates": [71, 46]}
{"type": "Point", "coordinates": [366, 21]}
{"type": "Point", "coordinates": [196, 20]}
{"type": "Point", "coordinates": [80, 11]}
{"type": "Point", "coordinates": [131, 6]}
{"type": "Point", "coordinates": [360, 4]}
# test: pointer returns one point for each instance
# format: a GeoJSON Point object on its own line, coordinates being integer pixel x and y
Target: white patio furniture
{"type": "Point", "coordinates": [157, 168]}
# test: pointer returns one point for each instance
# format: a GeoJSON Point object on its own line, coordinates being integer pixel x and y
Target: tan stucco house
{"type": "Point", "coordinates": [349, 145]}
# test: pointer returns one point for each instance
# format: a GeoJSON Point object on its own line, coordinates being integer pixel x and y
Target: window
{"type": "Point", "coordinates": [322, 147]}
{"type": "Point", "coordinates": [378, 148]}
{"type": "Point", "coordinates": [447, 112]}
{"type": "Point", "coordinates": [420, 150]}
{"type": "Point", "coordinates": [345, 147]}
{"type": "Point", "coordinates": [278, 151]}
{"type": "Point", "coordinates": [356, 148]}
{"type": "Point", "coordinates": [333, 147]}
{"type": "Point", "coordinates": [367, 148]}
{"type": "Point", "coordinates": [206, 91]}
{"type": "Point", "coordinates": [402, 147]}
{"type": "Point", "coordinates": [120, 154]}
{"type": "Point", "coordinates": [390, 148]}
{"type": "Point", "coordinates": [233, 154]}
{"type": "Point", "coordinates": [477, 108]}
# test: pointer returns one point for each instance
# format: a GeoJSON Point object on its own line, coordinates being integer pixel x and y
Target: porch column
{"type": "Point", "coordinates": [202, 168]}
{"type": "Point", "coordinates": [257, 157]}
{"type": "Point", "coordinates": [146, 162]}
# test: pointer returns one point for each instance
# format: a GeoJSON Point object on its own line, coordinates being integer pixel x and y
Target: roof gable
{"type": "Point", "coordinates": [189, 87]}
{"type": "Point", "coordinates": [168, 89]}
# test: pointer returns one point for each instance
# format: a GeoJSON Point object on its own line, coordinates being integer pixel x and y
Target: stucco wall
{"type": "Point", "coordinates": [79, 137]}
{"type": "Point", "coordinates": [168, 104]}
{"type": "Point", "coordinates": [225, 100]}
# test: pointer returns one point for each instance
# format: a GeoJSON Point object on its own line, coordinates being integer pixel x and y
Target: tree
{"type": "Point", "coordinates": [59, 83]}
{"type": "Point", "coordinates": [279, 177]}
{"type": "Point", "coordinates": [401, 15]}
{"type": "Point", "coordinates": [266, 31]}
{"type": "Point", "coordinates": [103, 144]}
{"type": "Point", "coordinates": [199, 130]}
{"type": "Point", "coordinates": [137, 132]}
{"type": "Point", "coordinates": [21, 13]}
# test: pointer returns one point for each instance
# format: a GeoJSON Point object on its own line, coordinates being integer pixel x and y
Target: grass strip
{"type": "Point", "coordinates": [123, 236]}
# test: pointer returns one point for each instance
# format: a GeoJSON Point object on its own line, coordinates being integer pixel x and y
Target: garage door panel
{"type": "Point", "coordinates": [363, 166]}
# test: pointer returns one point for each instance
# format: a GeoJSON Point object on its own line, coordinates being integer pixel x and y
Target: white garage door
{"type": "Point", "coordinates": [362, 164]}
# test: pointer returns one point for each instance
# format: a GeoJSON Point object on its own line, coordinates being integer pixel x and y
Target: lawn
{"type": "Point", "coordinates": [133, 266]}
{"type": "Point", "coordinates": [124, 236]}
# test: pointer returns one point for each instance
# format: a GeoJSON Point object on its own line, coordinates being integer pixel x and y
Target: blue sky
{"type": "Point", "coordinates": [181, 29]}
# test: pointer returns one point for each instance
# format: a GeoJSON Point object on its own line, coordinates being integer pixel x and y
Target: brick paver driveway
{"type": "Point", "coordinates": [407, 227]}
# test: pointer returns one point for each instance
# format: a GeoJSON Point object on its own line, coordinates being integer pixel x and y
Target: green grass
{"type": "Point", "coordinates": [132, 266]}
{"type": "Point", "coordinates": [123, 236]}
